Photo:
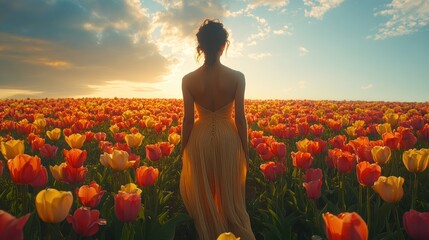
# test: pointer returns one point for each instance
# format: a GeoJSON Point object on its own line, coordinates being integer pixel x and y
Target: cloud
{"type": "Point", "coordinates": [285, 30]}
{"type": "Point", "coordinates": [13, 93]}
{"type": "Point", "coordinates": [302, 84]}
{"type": "Point", "coordinates": [367, 86]}
{"type": "Point", "coordinates": [405, 17]}
{"type": "Point", "coordinates": [320, 7]}
{"type": "Point", "coordinates": [61, 47]}
{"type": "Point", "coordinates": [258, 56]}
{"type": "Point", "coordinates": [272, 4]}
{"type": "Point", "coordinates": [303, 51]}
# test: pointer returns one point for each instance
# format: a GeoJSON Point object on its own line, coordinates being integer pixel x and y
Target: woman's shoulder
{"type": "Point", "coordinates": [234, 73]}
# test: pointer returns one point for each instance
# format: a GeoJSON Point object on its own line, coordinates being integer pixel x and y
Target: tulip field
{"type": "Point", "coordinates": [96, 168]}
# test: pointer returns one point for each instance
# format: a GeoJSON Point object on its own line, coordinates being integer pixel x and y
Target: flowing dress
{"type": "Point", "coordinates": [212, 182]}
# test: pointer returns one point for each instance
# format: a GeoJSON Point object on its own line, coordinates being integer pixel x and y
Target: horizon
{"type": "Point", "coordinates": [331, 50]}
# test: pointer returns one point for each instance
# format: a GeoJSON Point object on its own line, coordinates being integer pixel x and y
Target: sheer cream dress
{"type": "Point", "coordinates": [212, 182]}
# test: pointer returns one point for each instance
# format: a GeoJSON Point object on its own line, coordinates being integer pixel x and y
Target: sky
{"type": "Point", "coordinates": [287, 49]}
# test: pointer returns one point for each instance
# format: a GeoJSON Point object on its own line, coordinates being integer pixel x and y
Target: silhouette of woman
{"type": "Point", "coordinates": [214, 147]}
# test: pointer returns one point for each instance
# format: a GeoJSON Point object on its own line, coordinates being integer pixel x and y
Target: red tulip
{"type": "Point", "coordinates": [408, 140]}
{"type": "Point", "coordinates": [278, 149]}
{"type": "Point", "coordinates": [119, 137]}
{"type": "Point", "coordinates": [153, 152]}
{"type": "Point", "coordinates": [11, 227]}
{"type": "Point", "coordinates": [41, 180]}
{"type": "Point", "coordinates": [146, 176]}
{"type": "Point", "coordinates": [346, 161]}
{"type": "Point", "coordinates": [313, 188]}
{"type": "Point", "coordinates": [48, 151]}
{"type": "Point", "coordinates": [338, 141]}
{"type": "Point", "coordinates": [85, 222]}
{"type": "Point", "coordinates": [127, 206]}
{"type": "Point", "coordinates": [303, 128]}
{"type": "Point", "coordinates": [74, 157]}
{"type": "Point", "coordinates": [302, 160]}
{"type": "Point", "coordinates": [100, 136]}
{"type": "Point", "coordinates": [159, 127]}
{"type": "Point", "coordinates": [312, 174]}
{"type": "Point", "coordinates": [166, 148]}
{"type": "Point", "coordinates": [424, 132]}
{"type": "Point", "coordinates": [367, 173]}
{"type": "Point", "coordinates": [90, 195]}
{"type": "Point", "coordinates": [269, 170]}
{"type": "Point", "coordinates": [347, 225]}
{"type": "Point", "coordinates": [364, 153]}
{"type": "Point", "coordinates": [416, 224]}
{"type": "Point", "coordinates": [89, 136]}
{"type": "Point", "coordinates": [317, 129]}
{"type": "Point", "coordinates": [73, 175]}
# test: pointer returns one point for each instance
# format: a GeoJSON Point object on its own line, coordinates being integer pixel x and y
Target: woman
{"type": "Point", "coordinates": [214, 148]}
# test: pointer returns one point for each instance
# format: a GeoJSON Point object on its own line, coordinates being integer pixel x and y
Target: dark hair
{"type": "Point", "coordinates": [211, 37]}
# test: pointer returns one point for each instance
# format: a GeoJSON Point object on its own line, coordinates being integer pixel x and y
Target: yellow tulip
{"type": "Point", "coordinates": [52, 205]}
{"type": "Point", "coordinates": [54, 134]}
{"type": "Point", "coordinates": [174, 138]}
{"type": "Point", "coordinates": [303, 145]}
{"type": "Point", "coordinates": [134, 140]}
{"type": "Point", "coordinates": [75, 140]}
{"type": "Point", "coordinates": [389, 188]}
{"type": "Point", "coordinates": [344, 121]}
{"type": "Point", "coordinates": [131, 188]}
{"type": "Point", "coordinates": [381, 154]}
{"type": "Point", "coordinates": [127, 114]}
{"type": "Point", "coordinates": [118, 160]}
{"type": "Point", "coordinates": [114, 128]}
{"type": "Point", "coordinates": [39, 123]}
{"type": "Point", "coordinates": [392, 118]}
{"type": "Point", "coordinates": [227, 236]}
{"type": "Point", "coordinates": [359, 123]}
{"type": "Point", "coordinates": [12, 148]}
{"type": "Point", "coordinates": [351, 131]}
{"type": "Point", "coordinates": [149, 122]}
{"type": "Point", "coordinates": [383, 128]}
{"type": "Point", "coordinates": [416, 160]}
{"type": "Point", "coordinates": [39, 116]}
{"type": "Point", "coordinates": [57, 171]}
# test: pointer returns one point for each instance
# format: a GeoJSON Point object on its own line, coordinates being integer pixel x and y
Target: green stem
{"type": "Point", "coordinates": [414, 194]}
{"type": "Point", "coordinates": [360, 199]}
{"type": "Point", "coordinates": [343, 198]}
{"type": "Point", "coordinates": [398, 224]}
{"type": "Point", "coordinates": [368, 209]}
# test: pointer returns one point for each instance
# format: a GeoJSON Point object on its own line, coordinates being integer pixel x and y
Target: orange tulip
{"type": "Point", "coordinates": [347, 225]}
{"type": "Point", "coordinates": [25, 169]}
{"type": "Point", "coordinates": [12, 227]}
{"type": "Point", "coordinates": [392, 140]}
{"type": "Point", "coordinates": [303, 145]}
{"type": "Point", "coordinates": [227, 236]}
{"type": "Point", "coordinates": [146, 176]}
{"type": "Point", "coordinates": [85, 222]}
{"type": "Point", "coordinates": [389, 188]}
{"type": "Point", "coordinates": [338, 141]}
{"type": "Point", "coordinates": [90, 195]}
{"type": "Point", "coordinates": [74, 157]}
{"type": "Point", "coordinates": [278, 149]}
{"type": "Point", "coordinates": [367, 173]}
{"type": "Point", "coordinates": [302, 160]}
{"type": "Point", "coordinates": [345, 161]}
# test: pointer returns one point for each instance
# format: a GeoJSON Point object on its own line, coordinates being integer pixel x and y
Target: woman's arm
{"type": "Point", "coordinates": [240, 117]}
{"type": "Point", "coordinates": [188, 118]}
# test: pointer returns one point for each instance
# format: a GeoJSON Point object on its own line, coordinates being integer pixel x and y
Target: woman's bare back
{"type": "Point", "coordinates": [213, 87]}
